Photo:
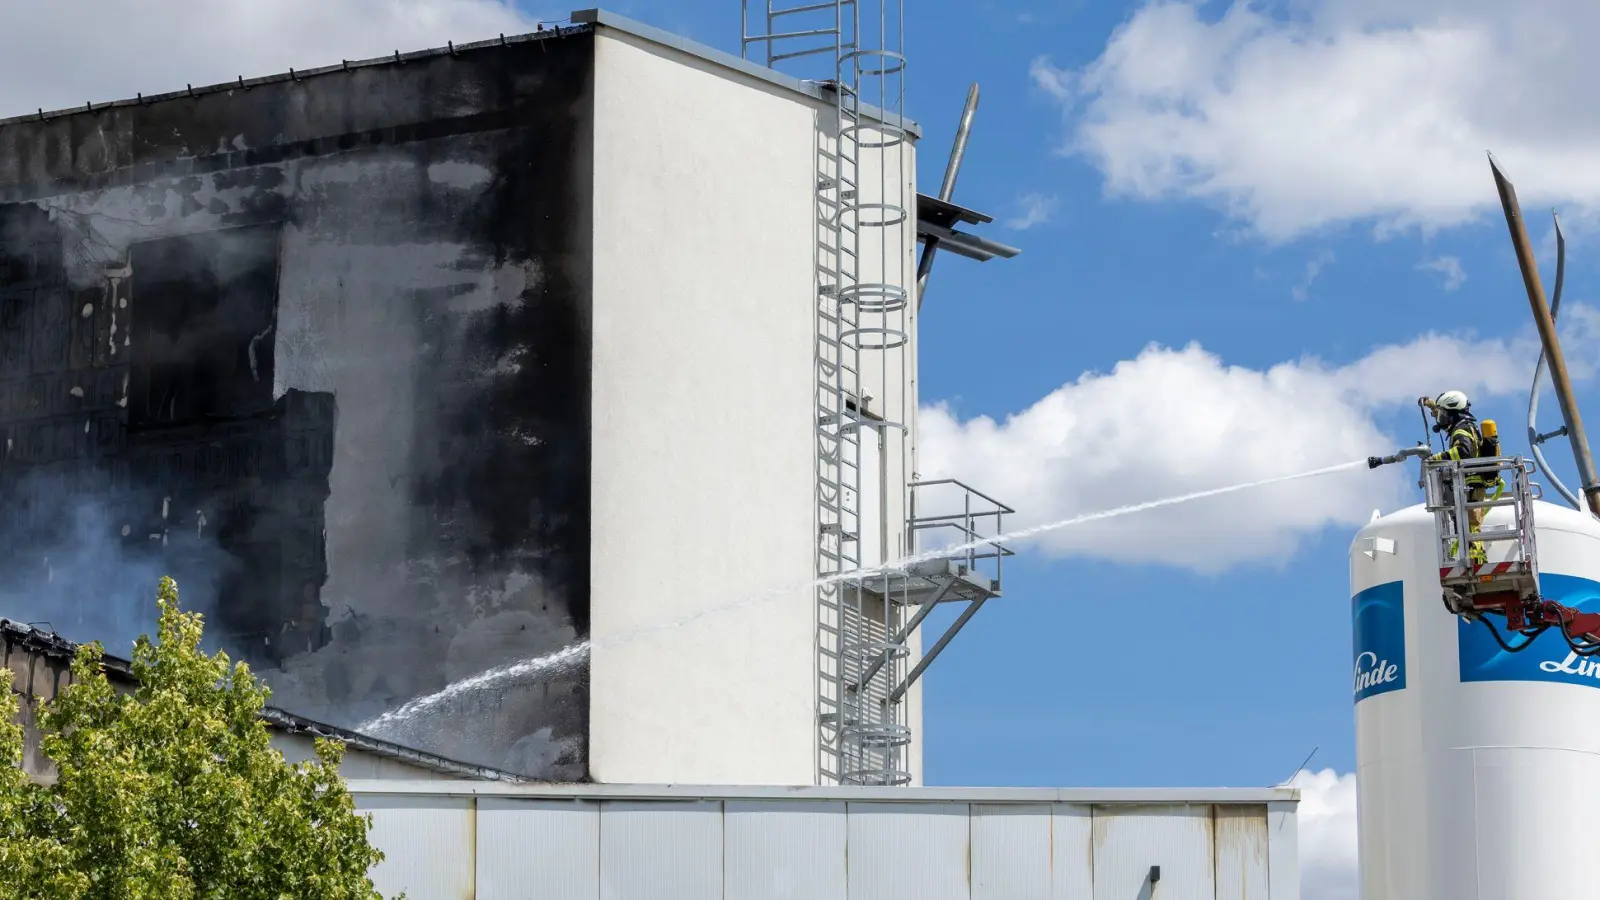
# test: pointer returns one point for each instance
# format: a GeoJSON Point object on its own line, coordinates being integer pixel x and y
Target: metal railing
{"type": "Point", "coordinates": [1449, 498]}
{"type": "Point", "coordinates": [971, 522]}
{"type": "Point", "coordinates": [798, 31]}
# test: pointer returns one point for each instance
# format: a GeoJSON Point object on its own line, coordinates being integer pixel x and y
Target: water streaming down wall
{"type": "Point", "coordinates": [1474, 766]}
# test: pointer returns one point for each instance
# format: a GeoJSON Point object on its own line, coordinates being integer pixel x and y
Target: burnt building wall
{"type": "Point", "coordinates": [318, 348]}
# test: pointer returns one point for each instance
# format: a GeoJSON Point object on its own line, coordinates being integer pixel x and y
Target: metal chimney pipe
{"type": "Point", "coordinates": [1547, 336]}
{"type": "Point", "coordinates": [948, 189]}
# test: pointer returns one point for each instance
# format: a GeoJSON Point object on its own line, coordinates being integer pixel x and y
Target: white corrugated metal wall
{"type": "Point", "coordinates": [498, 842]}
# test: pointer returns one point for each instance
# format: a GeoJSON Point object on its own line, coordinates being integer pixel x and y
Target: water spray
{"type": "Point", "coordinates": [573, 653]}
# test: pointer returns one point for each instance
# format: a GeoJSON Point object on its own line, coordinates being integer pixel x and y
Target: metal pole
{"type": "Point", "coordinates": [905, 630]}
{"type": "Point", "coordinates": [931, 655]}
{"type": "Point", "coordinates": [953, 168]}
{"type": "Point", "coordinates": [1534, 437]}
{"type": "Point", "coordinates": [1547, 337]}
{"type": "Point", "coordinates": [948, 189]}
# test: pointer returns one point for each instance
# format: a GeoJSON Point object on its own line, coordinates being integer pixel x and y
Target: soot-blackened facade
{"type": "Point", "coordinates": [318, 347]}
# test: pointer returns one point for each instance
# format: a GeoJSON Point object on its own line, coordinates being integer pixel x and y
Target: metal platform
{"type": "Point", "coordinates": [931, 582]}
{"type": "Point", "coordinates": [1513, 568]}
{"type": "Point", "coordinates": [970, 573]}
{"type": "Point", "coordinates": [937, 220]}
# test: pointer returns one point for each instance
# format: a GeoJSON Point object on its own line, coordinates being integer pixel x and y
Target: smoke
{"type": "Point", "coordinates": [91, 520]}
{"type": "Point", "coordinates": [331, 398]}
{"type": "Point", "coordinates": [81, 565]}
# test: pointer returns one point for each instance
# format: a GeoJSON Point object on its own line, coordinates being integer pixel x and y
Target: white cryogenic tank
{"type": "Point", "coordinates": [1478, 771]}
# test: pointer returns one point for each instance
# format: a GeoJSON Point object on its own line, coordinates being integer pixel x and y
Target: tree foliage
{"type": "Point", "coordinates": [173, 791]}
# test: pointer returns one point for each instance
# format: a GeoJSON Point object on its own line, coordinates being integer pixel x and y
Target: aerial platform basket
{"type": "Point", "coordinates": [1511, 566]}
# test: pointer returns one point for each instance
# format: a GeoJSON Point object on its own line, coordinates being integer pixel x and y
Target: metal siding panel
{"type": "Point", "coordinates": [1011, 852]}
{"type": "Point", "coordinates": [1072, 852]}
{"type": "Point", "coordinates": [428, 844]}
{"type": "Point", "coordinates": [900, 850]}
{"type": "Point", "coordinates": [1241, 835]}
{"type": "Point", "coordinates": [777, 850]}
{"type": "Point", "coordinates": [548, 849]}
{"type": "Point", "coordinates": [1283, 850]}
{"type": "Point", "coordinates": [1129, 840]}
{"type": "Point", "coordinates": [661, 850]}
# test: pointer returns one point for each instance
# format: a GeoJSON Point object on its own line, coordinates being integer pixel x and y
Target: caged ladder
{"type": "Point", "coordinates": [853, 50]}
{"type": "Point", "coordinates": [799, 30]}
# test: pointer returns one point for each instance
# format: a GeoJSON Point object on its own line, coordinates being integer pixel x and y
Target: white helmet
{"type": "Point", "coordinates": [1452, 401]}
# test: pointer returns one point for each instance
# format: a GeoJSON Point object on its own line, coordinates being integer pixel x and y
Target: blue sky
{"type": "Point", "coordinates": [1093, 671]}
{"type": "Point", "coordinates": [1270, 228]}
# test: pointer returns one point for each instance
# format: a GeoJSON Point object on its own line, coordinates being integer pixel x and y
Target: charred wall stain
{"type": "Point", "coordinates": [320, 350]}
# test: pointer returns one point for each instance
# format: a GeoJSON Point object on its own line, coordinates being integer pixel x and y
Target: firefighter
{"type": "Point", "coordinates": [1464, 439]}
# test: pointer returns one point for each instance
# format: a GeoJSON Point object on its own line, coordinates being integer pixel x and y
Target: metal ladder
{"type": "Point", "coordinates": [1512, 566]}
{"type": "Point", "coordinates": [800, 31]}
{"type": "Point", "coordinates": [862, 313]}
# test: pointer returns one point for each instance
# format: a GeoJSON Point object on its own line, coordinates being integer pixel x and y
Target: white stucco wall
{"type": "Point", "coordinates": [702, 444]}
{"type": "Point", "coordinates": [703, 452]}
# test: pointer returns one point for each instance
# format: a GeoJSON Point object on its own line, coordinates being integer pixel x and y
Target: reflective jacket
{"type": "Point", "coordinates": [1465, 441]}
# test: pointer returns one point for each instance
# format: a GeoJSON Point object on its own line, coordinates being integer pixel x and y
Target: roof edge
{"type": "Point", "coordinates": [1088, 796]}
{"type": "Point", "coordinates": [289, 722]}
{"type": "Point", "coordinates": [53, 646]}
{"type": "Point", "coordinates": [584, 20]}
{"type": "Point", "coordinates": [397, 58]}
{"type": "Point", "coordinates": [599, 19]}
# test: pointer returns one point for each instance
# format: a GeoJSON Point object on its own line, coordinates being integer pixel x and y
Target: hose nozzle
{"type": "Point", "coordinates": [1421, 451]}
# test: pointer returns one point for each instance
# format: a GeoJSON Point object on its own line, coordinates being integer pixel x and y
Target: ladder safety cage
{"type": "Point", "coordinates": [867, 515]}
{"type": "Point", "coordinates": [863, 415]}
{"type": "Point", "coordinates": [1509, 564]}
{"type": "Point", "coordinates": [864, 296]}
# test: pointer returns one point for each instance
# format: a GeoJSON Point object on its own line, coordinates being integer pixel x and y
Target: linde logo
{"type": "Point", "coordinates": [1372, 671]}
{"type": "Point", "coordinates": [1573, 665]}
{"type": "Point", "coordinates": [1378, 615]}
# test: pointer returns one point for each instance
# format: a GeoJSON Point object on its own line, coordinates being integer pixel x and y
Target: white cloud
{"type": "Point", "coordinates": [1314, 267]}
{"type": "Point", "coordinates": [1327, 824]}
{"type": "Point", "coordinates": [1036, 210]}
{"type": "Point", "coordinates": [1352, 111]}
{"type": "Point", "coordinates": [66, 53]}
{"type": "Point", "coordinates": [1053, 81]}
{"type": "Point", "coordinates": [1449, 267]}
{"type": "Point", "coordinates": [1175, 421]}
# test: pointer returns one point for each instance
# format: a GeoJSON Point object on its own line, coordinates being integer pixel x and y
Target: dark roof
{"type": "Point", "coordinates": [397, 58]}
{"type": "Point", "coordinates": [53, 646]}
{"type": "Point", "coordinates": [581, 21]}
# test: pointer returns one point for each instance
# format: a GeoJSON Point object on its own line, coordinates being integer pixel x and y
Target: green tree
{"type": "Point", "coordinates": [174, 791]}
